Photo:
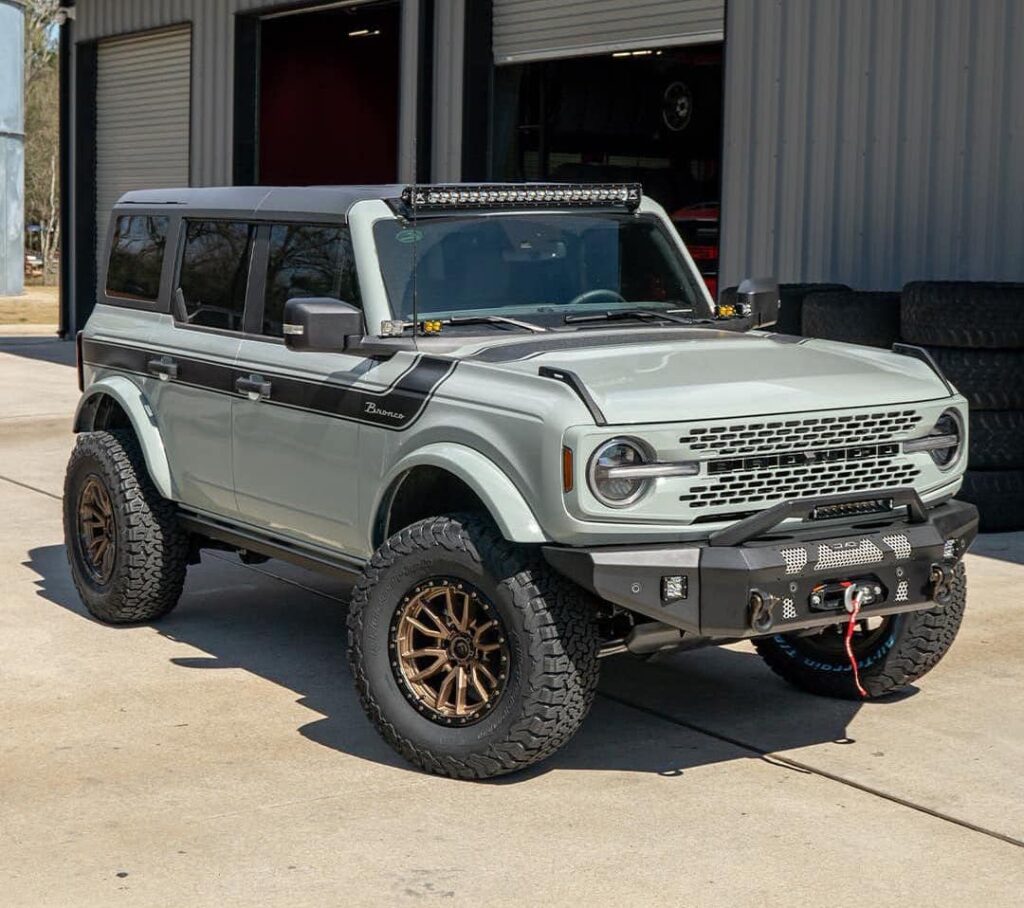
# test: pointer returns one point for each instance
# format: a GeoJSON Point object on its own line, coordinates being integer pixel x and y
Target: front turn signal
{"type": "Point", "coordinates": [567, 470]}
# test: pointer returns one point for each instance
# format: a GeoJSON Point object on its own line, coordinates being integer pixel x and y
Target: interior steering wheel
{"type": "Point", "coordinates": [597, 295]}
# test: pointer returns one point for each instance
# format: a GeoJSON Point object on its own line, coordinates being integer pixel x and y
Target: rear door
{"type": "Point", "coordinates": [295, 459]}
{"type": "Point", "coordinates": [192, 353]}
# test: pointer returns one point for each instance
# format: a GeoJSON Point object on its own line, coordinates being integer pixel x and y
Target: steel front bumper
{"type": "Point", "coordinates": [745, 582]}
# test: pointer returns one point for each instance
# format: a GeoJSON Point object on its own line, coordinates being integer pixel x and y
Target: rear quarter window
{"type": "Point", "coordinates": [137, 257]}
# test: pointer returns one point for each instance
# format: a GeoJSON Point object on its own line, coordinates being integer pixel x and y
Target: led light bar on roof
{"type": "Point", "coordinates": [522, 195]}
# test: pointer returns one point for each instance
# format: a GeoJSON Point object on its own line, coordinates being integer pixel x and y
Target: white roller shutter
{"type": "Point", "coordinates": [142, 116]}
{"type": "Point", "coordinates": [544, 30]}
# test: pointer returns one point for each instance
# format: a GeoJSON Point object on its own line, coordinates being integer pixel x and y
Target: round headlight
{"type": "Point", "coordinates": [948, 426]}
{"type": "Point", "coordinates": [617, 491]}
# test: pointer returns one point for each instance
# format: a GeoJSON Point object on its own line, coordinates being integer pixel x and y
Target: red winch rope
{"type": "Point", "coordinates": [848, 639]}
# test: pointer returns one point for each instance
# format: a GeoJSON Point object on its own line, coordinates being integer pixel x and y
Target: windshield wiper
{"type": "Point", "coordinates": [616, 314]}
{"type": "Point", "coordinates": [492, 320]}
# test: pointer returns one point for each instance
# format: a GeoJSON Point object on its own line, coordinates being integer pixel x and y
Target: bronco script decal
{"type": "Point", "coordinates": [396, 407]}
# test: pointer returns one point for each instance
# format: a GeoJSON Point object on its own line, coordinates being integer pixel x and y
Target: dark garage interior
{"type": "Point", "coordinates": [649, 115]}
{"type": "Point", "coordinates": [328, 96]}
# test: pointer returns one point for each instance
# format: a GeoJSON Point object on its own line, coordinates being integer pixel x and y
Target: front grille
{"type": "Point", "coordinates": [767, 487]}
{"type": "Point", "coordinates": [780, 434]}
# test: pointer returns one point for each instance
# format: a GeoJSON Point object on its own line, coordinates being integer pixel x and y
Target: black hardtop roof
{"type": "Point", "coordinates": [263, 202]}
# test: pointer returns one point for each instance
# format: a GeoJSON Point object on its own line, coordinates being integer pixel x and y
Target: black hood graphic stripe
{"type": "Point", "coordinates": [395, 407]}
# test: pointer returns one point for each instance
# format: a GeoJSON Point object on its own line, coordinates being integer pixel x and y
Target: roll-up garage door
{"type": "Point", "coordinates": [542, 30]}
{"type": "Point", "coordinates": [142, 116]}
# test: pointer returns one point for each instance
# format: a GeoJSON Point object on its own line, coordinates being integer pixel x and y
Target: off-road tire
{"type": "Point", "coordinates": [989, 379]}
{"type": "Point", "coordinates": [913, 645]}
{"type": "Point", "coordinates": [999, 497]}
{"type": "Point", "coordinates": [996, 440]}
{"type": "Point", "coordinates": [791, 304]}
{"type": "Point", "coordinates": [552, 637]}
{"type": "Point", "coordinates": [963, 314]}
{"type": "Point", "coordinates": [151, 551]}
{"type": "Point", "coordinates": [853, 317]}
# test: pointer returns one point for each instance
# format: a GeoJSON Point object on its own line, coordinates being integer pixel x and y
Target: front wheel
{"type": "Point", "coordinates": [471, 657]}
{"type": "Point", "coordinates": [891, 652]}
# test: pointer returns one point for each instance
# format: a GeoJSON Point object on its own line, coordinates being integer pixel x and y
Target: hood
{"type": "Point", "coordinates": [707, 374]}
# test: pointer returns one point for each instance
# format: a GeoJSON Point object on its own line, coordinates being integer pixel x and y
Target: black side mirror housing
{"type": "Point", "coordinates": [320, 324]}
{"type": "Point", "coordinates": [758, 299]}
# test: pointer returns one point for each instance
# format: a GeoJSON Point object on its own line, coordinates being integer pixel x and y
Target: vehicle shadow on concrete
{"type": "Point", "coordinates": [45, 349]}
{"type": "Point", "coordinates": [666, 716]}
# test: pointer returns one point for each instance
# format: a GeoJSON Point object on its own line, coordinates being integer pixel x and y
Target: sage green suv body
{"type": "Point", "coordinates": [322, 374]}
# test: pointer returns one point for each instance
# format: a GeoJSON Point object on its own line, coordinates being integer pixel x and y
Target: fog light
{"type": "Point", "coordinates": [674, 587]}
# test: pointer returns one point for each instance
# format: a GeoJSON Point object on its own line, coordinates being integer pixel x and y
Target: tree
{"type": "Point", "coordinates": [42, 129]}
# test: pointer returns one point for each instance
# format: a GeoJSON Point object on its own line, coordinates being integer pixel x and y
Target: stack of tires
{"type": "Point", "coordinates": [852, 316]}
{"type": "Point", "coordinates": [975, 333]}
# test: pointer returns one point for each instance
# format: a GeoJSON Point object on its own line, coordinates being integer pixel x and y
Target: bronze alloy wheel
{"type": "Point", "coordinates": [449, 651]}
{"type": "Point", "coordinates": [97, 532]}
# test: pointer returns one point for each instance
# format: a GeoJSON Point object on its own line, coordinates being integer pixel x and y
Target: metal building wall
{"type": "Point", "coordinates": [212, 65]}
{"type": "Point", "coordinates": [874, 141]}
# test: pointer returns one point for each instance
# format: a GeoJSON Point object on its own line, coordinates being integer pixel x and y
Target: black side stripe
{"type": "Point", "coordinates": [396, 407]}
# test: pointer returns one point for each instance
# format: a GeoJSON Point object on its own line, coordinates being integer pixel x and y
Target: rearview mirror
{"type": "Point", "coordinates": [759, 299]}
{"type": "Point", "coordinates": [320, 324]}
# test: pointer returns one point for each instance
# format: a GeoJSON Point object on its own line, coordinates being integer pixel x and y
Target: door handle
{"type": "Point", "coordinates": [254, 386]}
{"type": "Point", "coordinates": [163, 368]}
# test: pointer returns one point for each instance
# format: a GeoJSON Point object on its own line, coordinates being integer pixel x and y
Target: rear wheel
{"type": "Point", "coordinates": [128, 555]}
{"type": "Point", "coordinates": [471, 657]}
{"type": "Point", "coordinates": [891, 652]}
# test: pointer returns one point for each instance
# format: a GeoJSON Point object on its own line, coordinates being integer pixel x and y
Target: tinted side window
{"type": "Point", "coordinates": [307, 260]}
{"type": "Point", "coordinates": [137, 256]}
{"type": "Point", "coordinates": [214, 272]}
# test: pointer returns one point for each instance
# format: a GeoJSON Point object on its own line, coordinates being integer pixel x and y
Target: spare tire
{"type": "Point", "coordinates": [791, 304]}
{"type": "Point", "coordinates": [855, 317]}
{"type": "Point", "coordinates": [989, 379]}
{"type": "Point", "coordinates": [963, 314]}
{"type": "Point", "coordinates": [996, 440]}
{"type": "Point", "coordinates": [999, 496]}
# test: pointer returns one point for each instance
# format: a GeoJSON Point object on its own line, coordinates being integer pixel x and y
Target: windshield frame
{"type": "Point", "coordinates": [550, 316]}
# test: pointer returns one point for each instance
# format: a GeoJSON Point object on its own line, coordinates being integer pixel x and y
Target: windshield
{"type": "Point", "coordinates": [536, 267]}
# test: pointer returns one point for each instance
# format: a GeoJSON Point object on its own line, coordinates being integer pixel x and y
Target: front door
{"type": "Point", "coordinates": [295, 457]}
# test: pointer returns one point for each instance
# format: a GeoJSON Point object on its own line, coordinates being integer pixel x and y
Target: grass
{"type": "Point", "coordinates": [36, 306]}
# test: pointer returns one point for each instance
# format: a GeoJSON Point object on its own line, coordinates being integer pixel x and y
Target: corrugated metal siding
{"type": "Point", "coordinates": [213, 49]}
{"type": "Point", "coordinates": [142, 116]}
{"type": "Point", "coordinates": [540, 29]}
{"type": "Point", "coordinates": [874, 141]}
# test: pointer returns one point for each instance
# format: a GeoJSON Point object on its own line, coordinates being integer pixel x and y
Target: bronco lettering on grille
{"type": "Point", "coordinates": [800, 458]}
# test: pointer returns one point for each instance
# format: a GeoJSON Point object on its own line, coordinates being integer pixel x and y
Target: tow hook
{"type": "Point", "coordinates": [941, 577]}
{"type": "Point", "coordinates": [761, 605]}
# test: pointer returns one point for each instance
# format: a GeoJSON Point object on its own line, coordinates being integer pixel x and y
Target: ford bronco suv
{"type": "Point", "coordinates": [514, 414]}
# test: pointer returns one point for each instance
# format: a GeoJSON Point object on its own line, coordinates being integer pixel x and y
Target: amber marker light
{"type": "Point", "coordinates": [567, 469]}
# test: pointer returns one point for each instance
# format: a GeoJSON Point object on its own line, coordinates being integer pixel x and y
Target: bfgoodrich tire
{"type": "Point", "coordinates": [989, 379]}
{"type": "Point", "coordinates": [448, 609]}
{"type": "Point", "coordinates": [996, 440]}
{"type": "Point", "coordinates": [791, 304]}
{"type": "Point", "coordinates": [999, 497]}
{"type": "Point", "coordinates": [128, 555]}
{"type": "Point", "coordinates": [963, 314]}
{"type": "Point", "coordinates": [889, 657]}
{"type": "Point", "coordinates": [854, 317]}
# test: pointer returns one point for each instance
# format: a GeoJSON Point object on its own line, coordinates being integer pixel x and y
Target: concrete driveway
{"type": "Point", "coordinates": [221, 757]}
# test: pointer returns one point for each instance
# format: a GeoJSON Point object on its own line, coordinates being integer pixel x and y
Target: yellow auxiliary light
{"type": "Point", "coordinates": [431, 326]}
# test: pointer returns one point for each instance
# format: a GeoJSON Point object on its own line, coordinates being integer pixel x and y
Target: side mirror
{"type": "Point", "coordinates": [320, 324]}
{"type": "Point", "coordinates": [759, 298]}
